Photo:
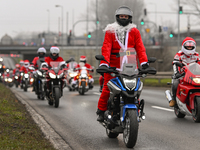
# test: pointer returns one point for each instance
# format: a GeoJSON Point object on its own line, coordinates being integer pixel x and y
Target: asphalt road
{"type": "Point", "coordinates": [75, 121]}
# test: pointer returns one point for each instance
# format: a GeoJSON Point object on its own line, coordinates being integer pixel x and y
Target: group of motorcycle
{"type": "Point", "coordinates": [49, 82]}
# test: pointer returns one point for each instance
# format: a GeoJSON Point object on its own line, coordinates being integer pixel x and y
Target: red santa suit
{"type": "Point", "coordinates": [49, 59]}
{"type": "Point", "coordinates": [113, 42]}
{"type": "Point", "coordinates": [35, 61]}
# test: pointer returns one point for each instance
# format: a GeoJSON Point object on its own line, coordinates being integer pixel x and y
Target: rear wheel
{"type": "Point", "coordinates": [130, 132]}
{"type": "Point", "coordinates": [196, 111]}
{"type": "Point", "coordinates": [178, 113]}
{"type": "Point", "coordinates": [57, 97]}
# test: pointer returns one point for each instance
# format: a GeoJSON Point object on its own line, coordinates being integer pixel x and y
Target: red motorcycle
{"type": "Point", "coordinates": [188, 92]}
{"type": "Point", "coordinates": [55, 79]}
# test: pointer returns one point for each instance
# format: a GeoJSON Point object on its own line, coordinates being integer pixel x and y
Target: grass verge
{"type": "Point", "coordinates": [18, 131]}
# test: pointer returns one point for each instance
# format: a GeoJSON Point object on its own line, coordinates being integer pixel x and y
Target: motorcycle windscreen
{"type": "Point", "coordinates": [55, 65]}
{"type": "Point", "coordinates": [72, 65]}
{"type": "Point", "coordinates": [128, 61]}
{"type": "Point", "coordinates": [194, 68]}
{"type": "Point", "coordinates": [40, 61]}
{"type": "Point", "coordinates": [83, 70]}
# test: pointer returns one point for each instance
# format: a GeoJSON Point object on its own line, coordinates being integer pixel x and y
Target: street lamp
{"type": "Point", "coordinates": [155, 11]}
{"type": "Point", "coordinates": [48, 20]}
{"type": "Point", "coordinates": [61, 21]}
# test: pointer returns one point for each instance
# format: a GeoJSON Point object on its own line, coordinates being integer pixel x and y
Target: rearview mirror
{"type": "Point", "coordinates": [151, 60]}
{"type": "Point", "coordinates": [99, 57]}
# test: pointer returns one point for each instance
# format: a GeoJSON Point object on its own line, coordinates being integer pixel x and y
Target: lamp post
{"type": "Point", "coordinates": [61, 22]}
{"type": "Point", "coordinates": [48, 20]}
{"type": "Point", "coordinates": [155, 11]}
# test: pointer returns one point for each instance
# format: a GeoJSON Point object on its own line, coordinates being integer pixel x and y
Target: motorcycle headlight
{"type": "Point", "coordinates": [83, 75]}
{"type": "Point", "coordinates": [26, 75]}
{"type": "Point", "coordinates": [6, 79]}
{"type": "Point", "coordinates": [9, 79]}
{"type": "Point", "coordinates": [130, 84]}
{"type": "Point", "coordinates": [22, 74]}
{"type": "Point", "coordinates": [60, 75]}
{"type": "Point", "coordinates": [16, 77]}
{"type": "Point", "coordinates": [53, 76]}
{"type": "Point", "coordinates": [196, 80]}
{"type": "Point", "coordinates": [0, 66]}
{"type": "Point", "coordinates": [39, 73]}
{"type": "Point", "coordinates": [32, 79]}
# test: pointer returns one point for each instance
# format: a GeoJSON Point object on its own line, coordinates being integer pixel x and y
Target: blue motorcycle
{"type": "Point", "coordinates": [125, 110]}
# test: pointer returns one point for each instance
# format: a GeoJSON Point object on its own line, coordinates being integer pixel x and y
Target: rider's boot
{"type": "Point", "coordinates": [101, 115]}
{"type": "Point", "coordinates": [172, 103]}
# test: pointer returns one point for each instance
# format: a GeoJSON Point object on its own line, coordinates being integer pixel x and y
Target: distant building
{"type": "Point", "coordinates": [6, 40]}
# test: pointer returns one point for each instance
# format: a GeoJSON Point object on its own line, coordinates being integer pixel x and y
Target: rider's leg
{"type": "Point", "coordinates": [175, 83]}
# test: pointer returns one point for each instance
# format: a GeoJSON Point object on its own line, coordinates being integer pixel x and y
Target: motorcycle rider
{"type": "Point", "coordinates": [41, 55]}
{"type": "Point", "coordinates": [186, 55]}
{"type": "Point", "coordinates": [121, 34]}
{"type": "Point", "coordinates": [17, 68]}
{"type": "Point", "coordinates": [82, 63]}
{"type": "Point", "coordinates": [25, 68]}
{"type": "Point", "coordinates": [54, 55]}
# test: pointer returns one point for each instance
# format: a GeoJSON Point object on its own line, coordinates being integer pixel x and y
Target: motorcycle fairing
{"type": "Point", "coordinates": [128, 106]}
{"type": "Point", "coordinates": [192, 98]}
{"type": "Point", "coordinates": [118, 83]}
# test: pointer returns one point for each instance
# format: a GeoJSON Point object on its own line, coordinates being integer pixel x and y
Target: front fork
{"type": "Point", "coordinates": [139, 109]}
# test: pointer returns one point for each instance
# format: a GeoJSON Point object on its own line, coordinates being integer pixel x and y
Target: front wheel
{"type": "Point", "coordinates": [57, 97]}
{"type": "Point", "coordinates": [82, 90]}
{"type": "Point", "coordinates": [25, 85]}
{"type": "Point", "coordinates": [196, 111]}
{"type": "Point", "coordinates": [178, 113]}
{"type": "Point", "coordinates": [130, 132]}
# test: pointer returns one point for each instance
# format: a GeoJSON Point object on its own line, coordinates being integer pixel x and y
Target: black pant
{"type": "Point", "coordinates": [174, 88]}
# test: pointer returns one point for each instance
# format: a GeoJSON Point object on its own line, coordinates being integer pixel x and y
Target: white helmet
{"type": "Point", "coordinates": [41, 50]}
{"type": "Point", "coordinates": [54, 50]}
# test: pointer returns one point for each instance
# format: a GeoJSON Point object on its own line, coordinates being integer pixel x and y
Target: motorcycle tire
{"type": "Point", "coordinates": [82, 90]}
{"type": "Point", "coordinates": [26, 86]}
{"type": "Point", "coordinates": [196, 111]}
{"type": "Point", "coordinates": [57, 97]}
{"type": "Point", "coordinates": [178, 113]}
{"type": "Point", "coordinates": [130, 132]}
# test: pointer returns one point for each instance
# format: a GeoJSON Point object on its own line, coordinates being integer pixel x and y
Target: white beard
{"type": "Point", "coordinates": [115, 26]}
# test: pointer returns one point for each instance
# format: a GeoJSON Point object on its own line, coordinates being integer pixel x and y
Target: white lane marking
{"type": "Point", "coordinates": [162, 108]}
{"type": "Point", "coordinates": [96, 93]}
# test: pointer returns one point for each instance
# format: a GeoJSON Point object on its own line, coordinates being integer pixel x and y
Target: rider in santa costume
{"type": "Point", "coordinates": [119, 36]}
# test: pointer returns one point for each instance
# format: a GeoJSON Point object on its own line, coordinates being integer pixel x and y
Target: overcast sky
{"type": "Point", "coordinates": [31, 15]}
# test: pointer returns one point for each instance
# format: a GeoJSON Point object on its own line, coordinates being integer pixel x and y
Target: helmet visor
{"type": "Point", "coordinates": [189, 45]}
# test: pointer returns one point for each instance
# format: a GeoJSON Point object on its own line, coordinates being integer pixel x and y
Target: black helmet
{"type": "Point", "coordinates": [123, 10]}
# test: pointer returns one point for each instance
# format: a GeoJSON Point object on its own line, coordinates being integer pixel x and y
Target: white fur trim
{"type": "Point", "coordinates": [115, 26]}
{"type": "Point", "coordinates": [104, 64]}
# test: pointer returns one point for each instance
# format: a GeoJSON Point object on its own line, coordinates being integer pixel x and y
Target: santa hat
{"type": "Point", "coordinates": [188, 39]}
{"type": "Point", "coordinates": [185, 51]}
{"type": "Point", "coordinates": [83, 58]}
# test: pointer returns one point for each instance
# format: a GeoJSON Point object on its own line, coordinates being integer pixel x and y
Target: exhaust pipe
{"type": "Point", "coordinates": [168, 95]}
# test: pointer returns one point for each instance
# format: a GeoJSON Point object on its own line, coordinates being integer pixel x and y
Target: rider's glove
{"type": "Point", "coordinates": [145, 66]}
{"type": "Point", "coordinates": [177, 75]}
{"type": "Point", "coordinates": [101, 69]}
